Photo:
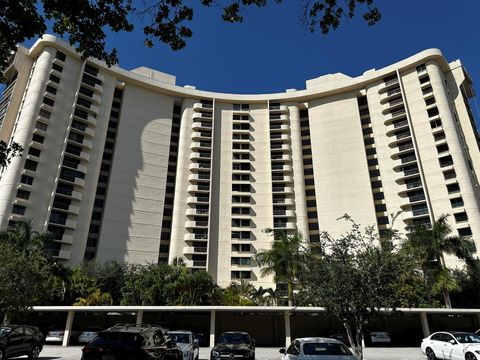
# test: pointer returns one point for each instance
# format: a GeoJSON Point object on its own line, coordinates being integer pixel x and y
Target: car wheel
{"type": "Point", "coordinates": [2, 354]}
{"type": "Point", "coordinates": [35, 352]}
{"type": "Point", "coordinates": [470, 356]}
{"type": "Point", "coordinates": [430, 354]}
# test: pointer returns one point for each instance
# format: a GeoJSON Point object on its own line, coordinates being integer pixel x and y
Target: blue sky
{"type": "Point", "coordinates": [272, 51]}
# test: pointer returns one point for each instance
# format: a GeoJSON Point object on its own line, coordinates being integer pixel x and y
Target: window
{"type": "Point", "coordinates": [23, 194]}
{"type": "Point", "coordinates": [369, 141]}
{"type": "Point", "coordinates": [164, 249]}
{"type": "Point", "coordinates": [51, 90]}
{"type": "Point", "coordinates": [424, 79]}
{"type": "Point", "coordinates": [48, 101]}
{"type": "Point", "coordinates": [31, 165]}
{"type": "Point", "coordinates": [54, 78]}
{"type": "Point", "coordinates": [380, 208]}
{"type": "Point", "coordinates": [242, 107]}
{"type": "Point", "coordinates": [456, 202]}
{"type": "Point", "coordinates": [439, 136]}
{"type": "Point", "coordinates": [306, 142]}
{"type": "Point", "coordinates": [430, 101]}
{"type": "Point", "coordinates": [89, 69]}
{"type": "Point", "coordinates": [370, 151]}
{"type": "Point", "coordinates": [313, 226]}
{"type": "Point", "coordinates": [376, 184]}
{"type": "Point", "coordinates": [240, 222]}
{"type": "Point", "coordinates": [445, 161]}
{"type": "Point", "coordinates": [421, 68]}
{"type": "Point", "coordinates": [367, 131]}
{"type": "Point", "coordinates": [38, 138]}
{"type": "Point", "coordinates": [18, 209]}
{"type": "Point", "coordinates": [241, 261]}
{"type": "Point", "coordinates": [311, 203]}
{"type": "Point", "coordinates": [459, 217]}
{"type": "Point", "coordinates": [44, 113]}
{"type": "Point", "coordinates": [378, 196]}
{"type": "Point", "coordinates": [382, 220]}
{"type": "Point", "coordinates": [453, 188]}
{"type": "Point", "coordinates": [33, 151]}
{"type": "Point", "coordinates": [442, 148]}
{"type": "Point", "coordinates": [60, 55]}
{"type": "Point", "coordinates": [307, 161]}
{"type": "Point", "coordinates": [374, 173]}
{"type": "Point", "coordinates": [372, 162]}
{"type": "Point", "coordinates": [308, 171]}
{"type": "Point", "coordinates": [26, 180]}
{"type": "Point", "coordinates": [432, 112]}
{"type": "Point", "coordinates": [465, 231]}
{"type": "Point", "coordinates": [241, 210]}
{"type": "Point", "coordinates": [435, 123]}
{"type": "Point", "coordinates": [41, 126]}
{"type": "Point", "coordinates": [307, 151]}
{"type": "Point", "coordinates": [310, 192]}
{"type": "Point", "coordinates": [57, 67]}
{"type": "Point", "coordinates": [241, 247]}
{"type": "Point", "coordinates": [427, 90]}
{"type": "Point", "coordinates": [312, 214]}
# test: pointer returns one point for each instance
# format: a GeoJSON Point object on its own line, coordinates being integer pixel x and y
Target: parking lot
{"type": "Point", "coordinates": [51, 352]}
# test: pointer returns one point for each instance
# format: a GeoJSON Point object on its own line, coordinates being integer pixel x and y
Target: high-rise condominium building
{"type": "Point", "coordinates": [127, 165]}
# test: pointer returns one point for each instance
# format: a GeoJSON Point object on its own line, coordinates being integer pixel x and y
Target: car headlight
{"type": "Point", "coordinates": [215, 353]}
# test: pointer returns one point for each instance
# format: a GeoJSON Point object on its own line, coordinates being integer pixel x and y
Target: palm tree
{"type": "Point", "coordinates": [285, 260]}
{"type": "Point", "coordinates": [430, 245]}
{"type": "Point", "coordinates": [23, 238]}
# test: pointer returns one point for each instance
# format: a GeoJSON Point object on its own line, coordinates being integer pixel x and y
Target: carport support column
{"type": "Point", "coordinates": [424, 320]}
{"type": "Point", "coordinates": [68, 328]}
{"type": "Point", "coordinates": [288, 337]}
{"type": "Point", "coordinates": [139, 317]}
{"type": "Point", "coordinates": [212, 327]}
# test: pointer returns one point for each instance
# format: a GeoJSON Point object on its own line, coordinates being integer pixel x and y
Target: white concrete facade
{"type": "Point", "coordinates": [127, 165]}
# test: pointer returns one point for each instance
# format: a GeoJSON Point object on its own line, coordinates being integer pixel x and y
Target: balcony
{"type": "Point", "coordinates": [196, 224]}
{"type": "Point", "coordinates": [202, 106]}
{"type": "Point", "coordinates": [199, 177]}
{"type": "Point", "coordinates": [279, 128]}
{"type": "Point", "coordinates": [286, 201]}
{"type": "Point", "coordinates": [284, 226]}
{"type": "Point", "coordinates": [202, 125]}
{"type": "Point", "coordinates": [191, 250]}
{"type": "Point", "coordinates": [389, 94]}
{"type": "Point", "coordinates": [202, 116]}
{"type": "Point", "coordinates": [280, 146]}
{"type": "Point", "coordinates": [69, 194]}
{"type": "Point", "coordinates": [388, 85]}
{"type": "Point", "coordinates": [197, 166]}
{"type": "Point", "coordinates": [90, 85]}
{"type": "Point", "coordinates": [275, 118]}
{"type": "Point", "coordinates": [199, 187]}
{"type": "Point", "coordinates": [282, 178]}
{"type": "Point", "coordinates": [192, 200]}
{"type": "Point", "coordinates": [198, 264]}
{"type": "Point", "coordinates": [279, 137]}
{"type": "Point", "coordinates": [71, 224]}
{"type": "Point", "coordinates": [286, 213]}
{"type": "Point", "coordinates": [67, 239]}
{"type": "Point", "coordinates": [391, 105]}
{"type": "Point", "coordinates": [282, 189]}
{"type": "Point", "coordinates": [199, 212]}
{"type": "Point", "coordinates": [93, 97]}
{"type": "Point", "coordinates": [278, 108]}
{"type": "Point", "coordinates": [197, 155]}
{"type": "Point", "coordinates": [201, 136]}
{"type": "Point", "coordinates": [63, 255]}
{"type": "Point", "coordinates": [201, 145]}
{"type": "Point", "coordinates": [282, 157]}
{"type": "Point", "coordinates": [394, 116]}
{"type": "Point", "coordinates": [285, 167]}
{"type": "Point", "coordinates": [193, 237]}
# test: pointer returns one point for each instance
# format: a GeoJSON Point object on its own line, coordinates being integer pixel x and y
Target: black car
{"type": "Point", "coordinates": [18, 340]}
{"type": "Point", "coordinates": [132, 342]}
{"type": "Point", "coordinates": [234, 345]}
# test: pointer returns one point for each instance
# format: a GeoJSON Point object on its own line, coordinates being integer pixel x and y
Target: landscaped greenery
{"type": "Point", "coordinates": [352, 276]}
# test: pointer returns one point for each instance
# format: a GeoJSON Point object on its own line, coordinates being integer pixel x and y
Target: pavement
{"type": "Point", "coordinates": [56, 352]}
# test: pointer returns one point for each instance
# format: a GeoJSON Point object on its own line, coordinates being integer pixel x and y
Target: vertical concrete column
{"type": "Point", "coordinates": [212, 327]}
{"type": "Point", "coordinates": [297, 164]}
{"type": "Point", "coordinates": [68, 328]}
{"type": "Point", "coordinates": [139, 317]}
{"type": "Point", "coordinates": [288, 337]}
{"type": "Point", "coordinates": [424, 320]}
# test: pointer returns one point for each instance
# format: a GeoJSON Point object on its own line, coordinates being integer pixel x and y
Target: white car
{"type": "Point", "coordinates": [187, 342]}
{"type": "Point", "coordinates": [452, 345]}
{"type": "Point", "coordinates": [380, 337]}
{"type": "Point", "coordinates": [317, 348]}
{"type": "Point", "coordinates": [54, 336]}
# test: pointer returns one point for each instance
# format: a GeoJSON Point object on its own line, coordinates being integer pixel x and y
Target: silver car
{"type": "Point", "coordinates": [317, 348]}
{"type": "Point", "coordinates": [187, 342]}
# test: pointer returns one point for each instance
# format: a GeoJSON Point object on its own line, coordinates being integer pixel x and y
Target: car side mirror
{"type": "Point", "coordinates": [453, 342]}
{"type": "Point", "coordinates": [196, 341]}
{"type": "Point", "coordinates": [282, 351]}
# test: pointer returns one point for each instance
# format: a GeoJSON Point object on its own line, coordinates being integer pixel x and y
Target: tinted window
{"type": "Point", "coordinates": [5, 331]}
{"type": "Point", "coordinates": [233, 338]}
{"type": "Point", "coordinates": [325, 349]}
{"type": "Point", "coordinates": [436, 337]}
{"type": "Point", "coordinates": [180, 338]}
{"type": "Point", "coordinates": [118, 339]}
{"type": "Point", "coordinates": [467, 338]}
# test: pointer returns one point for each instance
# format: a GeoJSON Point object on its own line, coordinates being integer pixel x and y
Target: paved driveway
{"type": "Point", "coordinates": [74, 353]}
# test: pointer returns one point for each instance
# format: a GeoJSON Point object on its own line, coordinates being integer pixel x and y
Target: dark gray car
{"type": "Point", "coordinates": [18, 340]}
{"type": "Point", "coordinates": [316, 348]}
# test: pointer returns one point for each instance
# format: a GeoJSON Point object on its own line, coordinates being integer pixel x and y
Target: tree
{"type": "Point", "coordinates": [285, 260]}
{"type": "Point", "coordinates": [96, 298]}
{"type": "Point", "coordinates": [7, 153]}
{"type": "Point", "coordinates": [353, 278]}
{"type": "Point", "coordinates": [86, 23]}
{"type": "Point", "coordinates": [429, 246]}
{"type": "Point", "coordinates": [239, 294]}
{"type": "Point", "coordinates": [24, 268]}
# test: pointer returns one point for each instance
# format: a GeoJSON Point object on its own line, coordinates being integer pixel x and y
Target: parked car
{"type": "Point", "coordinates": [380, 337]}
{"type": "Point", "coordinates": [317, 348]}
{"type": "Point", "coordinates": [186, 341]}
{"type": "Point", "coordinates": [132, 342]}
{"type": "Point", "coordinates": [57, 335]}
{"type": "Point", "coordinates": [88, 335]}
{"type": "Point", "coordinates": [234, 344]}
{"type": "Point", "coordinates": [453, 345]}
{"type": "Point", "coordinates": [18, 340]}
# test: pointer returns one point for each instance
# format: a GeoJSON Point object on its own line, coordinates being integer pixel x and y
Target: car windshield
{"type": "Point", "coordinates": [325, 349]}
{"type": "Point", "coordinates": [5, 331]}
{"type": "Point", "coordinates": [234, 338]}
{"type": "Point", "coordinates": [179, 337]}
{"type": "Point", "coordinates": [118, 339]}
{"type": "Point", "coordinates": [466, 338]}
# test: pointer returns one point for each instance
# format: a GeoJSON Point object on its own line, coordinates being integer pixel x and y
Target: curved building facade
{"type": "Point", "coordinates": [127, 165]}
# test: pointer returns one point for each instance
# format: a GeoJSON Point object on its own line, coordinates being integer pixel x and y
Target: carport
{"type": "Point", "coordinates": [268, 325]}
